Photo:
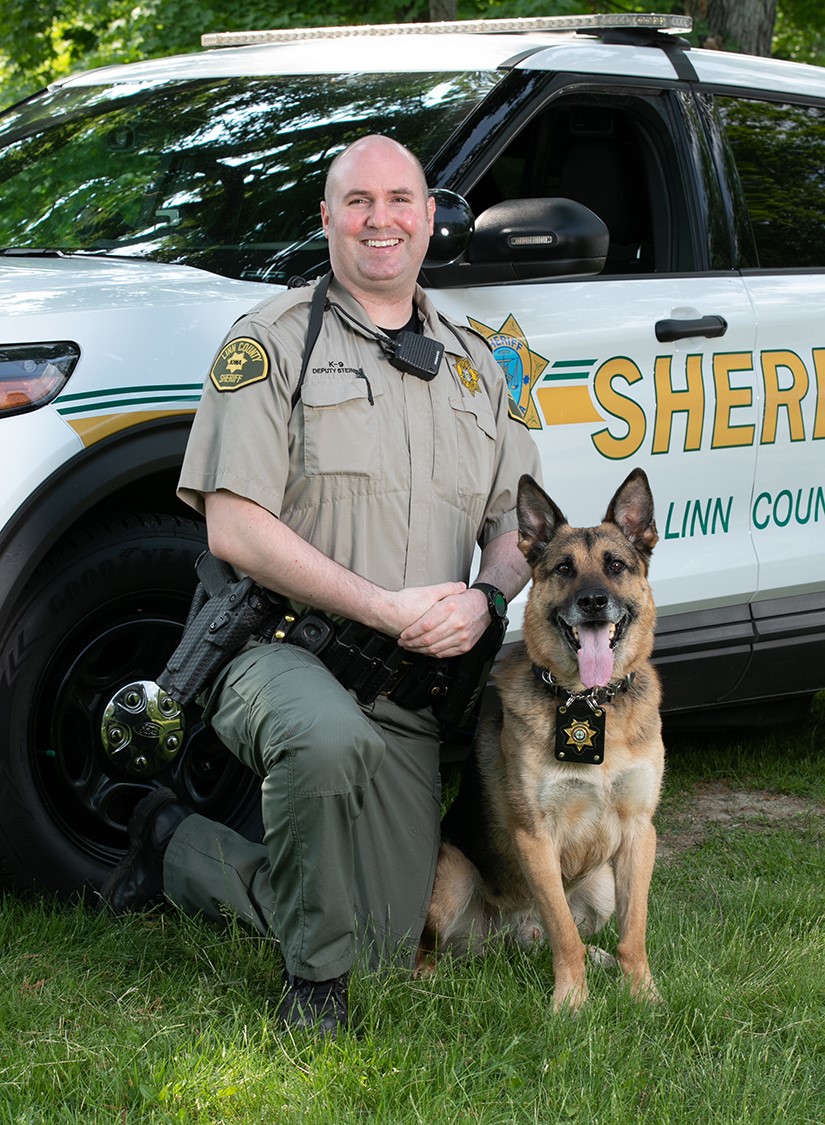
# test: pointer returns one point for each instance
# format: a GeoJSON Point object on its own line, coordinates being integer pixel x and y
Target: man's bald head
{"type": "Point", "coordinates": [375, 141]}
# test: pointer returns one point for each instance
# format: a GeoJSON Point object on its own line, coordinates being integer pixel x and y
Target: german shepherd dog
{"type": "Point", "coordinates": [552, 831]}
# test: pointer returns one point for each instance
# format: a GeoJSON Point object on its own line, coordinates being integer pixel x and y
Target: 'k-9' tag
{"type": "Point", "coordinates": [580, 733]}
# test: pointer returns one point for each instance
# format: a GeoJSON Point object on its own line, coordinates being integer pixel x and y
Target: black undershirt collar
{"type": "Point", "coordinates": [412, 325]}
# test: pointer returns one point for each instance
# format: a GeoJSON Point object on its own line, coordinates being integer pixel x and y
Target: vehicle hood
{"type": "Point", "coordinates": [52, 287]}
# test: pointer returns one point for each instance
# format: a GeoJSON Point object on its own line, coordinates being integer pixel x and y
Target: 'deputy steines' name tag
{"type": "Point", "coordinates": [580, 733]}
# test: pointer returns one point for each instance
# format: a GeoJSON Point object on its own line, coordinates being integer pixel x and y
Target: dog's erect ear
{"type": "Point", "coordinates": [538, 519]}
{"type": "Point", "coordinates": [631, 509]}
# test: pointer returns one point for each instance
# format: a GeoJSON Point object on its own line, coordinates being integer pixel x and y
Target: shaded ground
{"type": "Point", "coordinates": [717, 804]}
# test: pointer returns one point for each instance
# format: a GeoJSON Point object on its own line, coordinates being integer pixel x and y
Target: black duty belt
{"type": "Point", "coordinates": [227, 612]}
{"type": "Point", "coordinates": [368, 662]}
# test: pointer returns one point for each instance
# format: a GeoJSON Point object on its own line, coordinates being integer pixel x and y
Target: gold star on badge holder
{"type": "Point", "coordinates": [580, 735]}
{"type": "Point", "coordinates": [521, 366]}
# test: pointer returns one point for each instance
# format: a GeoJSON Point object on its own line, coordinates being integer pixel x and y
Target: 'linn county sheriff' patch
{"type": "Point", "coordinates": [239, 363]}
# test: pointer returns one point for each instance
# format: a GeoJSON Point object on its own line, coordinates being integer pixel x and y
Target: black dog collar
{"type": "Point", "coordinates": [598, 695]}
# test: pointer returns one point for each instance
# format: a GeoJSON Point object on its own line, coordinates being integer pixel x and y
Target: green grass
{"type": "Point", "coordinates": [167, 1019]}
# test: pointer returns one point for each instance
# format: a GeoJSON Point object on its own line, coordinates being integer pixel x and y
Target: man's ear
{"type": "Point", "coordinates": [430, 212]}
{"type": "Point", "coordinates": [325, 217]}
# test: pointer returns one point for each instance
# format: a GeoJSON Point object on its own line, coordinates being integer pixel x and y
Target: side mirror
{"type": "Point", "coordinates": [452, 229]}
{"type": "Point", "coordinates": [528, 240]}
{"type": "Point", "coordinates": [538, 238]}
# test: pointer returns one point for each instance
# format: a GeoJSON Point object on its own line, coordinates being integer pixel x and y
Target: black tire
{"type": "Point", "coordinates": [105, 608]}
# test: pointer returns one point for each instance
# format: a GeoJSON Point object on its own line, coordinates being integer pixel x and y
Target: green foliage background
{"type": "Point", "coordinates": [47, 39]}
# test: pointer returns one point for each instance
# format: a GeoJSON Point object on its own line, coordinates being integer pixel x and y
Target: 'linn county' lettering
{"type": "Point", "coordinates": [781, 508]}
{"type": "Point", "coordinates": [770, 509]}
{"type": "Point", "coordinates": [699, 517]}
{"type": "Point", "coordinates": [785, 382]}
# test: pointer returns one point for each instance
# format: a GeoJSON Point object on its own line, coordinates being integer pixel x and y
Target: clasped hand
{"type": "Point", "coordinates": [451, 622]}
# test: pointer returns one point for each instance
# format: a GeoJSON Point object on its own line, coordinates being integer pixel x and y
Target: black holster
{"type": "Point", "coordinates": [225, 613]}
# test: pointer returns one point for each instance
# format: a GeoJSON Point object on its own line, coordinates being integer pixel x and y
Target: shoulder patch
{"type": "Point", "coordinates": [240, 362]}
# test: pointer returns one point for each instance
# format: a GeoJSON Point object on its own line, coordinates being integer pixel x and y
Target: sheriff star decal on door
{"type": "Point", "coordinates": [521, 366]}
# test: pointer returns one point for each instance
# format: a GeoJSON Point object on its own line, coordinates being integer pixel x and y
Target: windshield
{"type": "Point", "coordinates": [223, 174]}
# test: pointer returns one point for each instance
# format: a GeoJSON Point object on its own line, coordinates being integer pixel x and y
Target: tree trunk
{"type": "Point", "coordinates": [737, 25]}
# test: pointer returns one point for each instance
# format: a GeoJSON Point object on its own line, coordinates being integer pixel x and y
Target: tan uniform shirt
{"type": "Point", "coordinates": [393, 477]}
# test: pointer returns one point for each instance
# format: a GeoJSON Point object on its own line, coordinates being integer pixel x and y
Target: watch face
{"type": "Point", "coordinates": [498, 603]}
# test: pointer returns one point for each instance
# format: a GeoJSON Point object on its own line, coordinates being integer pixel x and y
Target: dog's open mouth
{"type": "Point", "coordinates": [595, 646]}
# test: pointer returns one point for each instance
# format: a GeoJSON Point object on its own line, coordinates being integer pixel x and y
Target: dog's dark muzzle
{"type": "Point", "coordinates": [593, 607]}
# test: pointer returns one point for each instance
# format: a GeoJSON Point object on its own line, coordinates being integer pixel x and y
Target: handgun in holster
{"type": "Point", "coordinates": [226, 612]}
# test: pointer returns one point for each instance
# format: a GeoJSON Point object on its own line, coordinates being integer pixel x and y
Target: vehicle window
{"type": "Point", "coordinates": [778, 151]}
{"type": "Point", "coordinates": [226, 175]}
{"type": "Point", "coordinates": [607, 155]}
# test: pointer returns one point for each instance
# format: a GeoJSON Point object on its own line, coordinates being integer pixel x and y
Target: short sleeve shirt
{"type": "Point", "coordinates": [394, 477]}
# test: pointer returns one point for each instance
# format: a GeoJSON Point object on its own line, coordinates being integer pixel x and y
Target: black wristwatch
{"type": "Point", "coordinates": [496, 601]}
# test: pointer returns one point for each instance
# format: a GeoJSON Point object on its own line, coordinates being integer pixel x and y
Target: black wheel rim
{"type": "Point", "coordinates": [87, 798]}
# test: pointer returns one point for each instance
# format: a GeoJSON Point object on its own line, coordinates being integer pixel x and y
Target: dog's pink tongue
{"type": "Point", "coordinates": [595, 655]}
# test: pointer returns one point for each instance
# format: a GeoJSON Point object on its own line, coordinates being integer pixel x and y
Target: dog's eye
{"type": "Point", "coordinates": [615, 566]}
{"type": "Point", "coordinates": [564, 569]}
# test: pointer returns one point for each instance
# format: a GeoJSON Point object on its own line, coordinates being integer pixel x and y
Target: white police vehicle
{"type": "Point", "coordinates": [145, 207]}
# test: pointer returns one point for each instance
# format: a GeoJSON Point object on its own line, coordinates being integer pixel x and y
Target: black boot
{"type": "Point", "coordinates": [315, 1005]}
{"type": "Point", "coordinates": [136, 884]}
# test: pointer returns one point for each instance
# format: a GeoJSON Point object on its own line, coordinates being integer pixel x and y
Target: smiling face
{"type": "Point", "coordinates": [378, 218]}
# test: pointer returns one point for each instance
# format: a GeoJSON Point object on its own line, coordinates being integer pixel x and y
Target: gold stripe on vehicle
{"type": "Point", "coordinates": [94, 429]}
{"type": "Point", "coordinates": [564, 406]}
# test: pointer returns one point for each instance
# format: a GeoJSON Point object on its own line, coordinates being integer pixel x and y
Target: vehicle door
{"type": "Point", "coordinates": [776, 145]}
{"type": "Point", "coordinates": [608, 371]}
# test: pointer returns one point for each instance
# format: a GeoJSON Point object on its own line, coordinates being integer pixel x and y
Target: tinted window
{"type": "Point", "coordinates": [226, 174]}
{"type": "Point", "coordinates": [615, 155]}
{"type": "Point", "coordinates": [780, 158]}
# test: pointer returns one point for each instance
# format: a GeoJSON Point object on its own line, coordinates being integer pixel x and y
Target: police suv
{"type": "Point", "coordinates": [638, 229]}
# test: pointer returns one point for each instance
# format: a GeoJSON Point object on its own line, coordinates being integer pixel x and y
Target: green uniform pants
{"type": "Point", "coordinates": [351, 808]}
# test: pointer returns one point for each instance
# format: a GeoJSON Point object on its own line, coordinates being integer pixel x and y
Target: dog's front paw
{"type": "Point", "coordinates": [424, 965]}
{"type": "Point", "coordinates": [570, 996]}
{"type": "Point", "coordinates": [644, 988]}
{"type": "Point", "coordinates": [640, 982]}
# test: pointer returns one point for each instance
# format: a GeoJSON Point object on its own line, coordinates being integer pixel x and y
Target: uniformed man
{"type": "Point", "coordinates": [359, 489]}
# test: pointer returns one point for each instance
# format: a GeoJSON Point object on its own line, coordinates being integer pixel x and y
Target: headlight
{"type": "Point", "coordinates": [33, 374]}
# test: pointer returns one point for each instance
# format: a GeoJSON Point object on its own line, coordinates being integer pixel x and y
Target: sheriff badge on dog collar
{"type": "Point", "coordinates": [581, 722]}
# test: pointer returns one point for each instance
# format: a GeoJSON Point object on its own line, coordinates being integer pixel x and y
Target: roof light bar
{"type": "Point", "coordinates": [595, 23]}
